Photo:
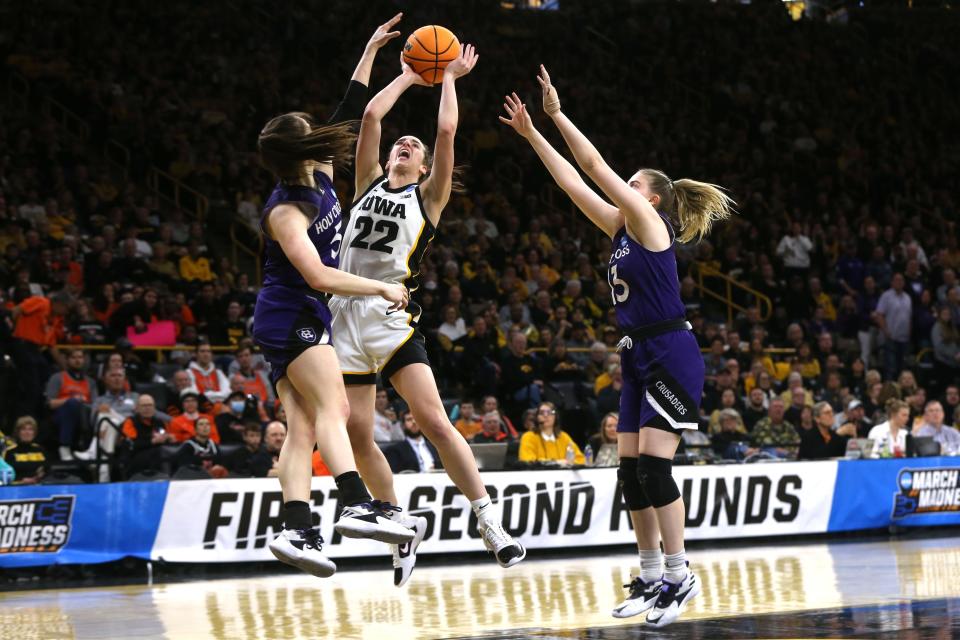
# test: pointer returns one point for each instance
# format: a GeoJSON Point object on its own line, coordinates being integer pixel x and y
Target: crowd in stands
{"type": "Point", "coordinates": [848, 224]}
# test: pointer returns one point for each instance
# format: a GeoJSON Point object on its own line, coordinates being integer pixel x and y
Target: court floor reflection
{"type": "Point", "coordinates": [571, 596]}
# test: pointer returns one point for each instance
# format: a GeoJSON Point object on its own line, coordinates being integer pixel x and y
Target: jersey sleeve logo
{"type": "Point", "coordinates": [307, 335]}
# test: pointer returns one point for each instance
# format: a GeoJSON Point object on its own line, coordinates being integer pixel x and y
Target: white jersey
{"type": "Point", "coordinates": [386, 234]}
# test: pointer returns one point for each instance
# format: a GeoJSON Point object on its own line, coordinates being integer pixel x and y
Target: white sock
{"type": "Point", "coordinates": [676, 567]}
{"type": "Point", "coordinates": [485, 509]}
{"type": "Point", "coordinates": [651, 565]}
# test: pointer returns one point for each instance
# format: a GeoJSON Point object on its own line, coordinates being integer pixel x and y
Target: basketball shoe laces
{"type": "Point", "coordinates": [496, 536]}
{"type": "Point", "coordinates": [384, 508]}
{"type": "Point", "coordinates": [637, 587]}
{"type": "Point", "coordinates": [311, 538]}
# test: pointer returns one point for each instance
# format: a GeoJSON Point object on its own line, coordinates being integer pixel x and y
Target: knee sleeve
{"type": "Point", "coordinates": [656, 478]}
{"type": "Point", "coordinates": [633, 494]}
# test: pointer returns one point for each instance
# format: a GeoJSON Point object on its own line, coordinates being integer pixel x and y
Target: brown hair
{"type": "Point", "coordinates": [456, 178]}
{"type": "Point", "coordinates": [287, 141]}
{"type": "Point", "coordinates": [696, 205]}
{"type": "Point", "coordinates": [24, 421]}
{"type": "Point", "coordinates": [894, 405]}
{"type": "Point", "coordinates": [556, 417]}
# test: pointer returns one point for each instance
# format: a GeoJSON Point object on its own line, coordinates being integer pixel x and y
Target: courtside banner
{"type": "Point", "coordinates": [78, 524]}
{"type": "Point", "coordinates": [233, 520]}
{"type": "Point", "coordinates": [906, 492]}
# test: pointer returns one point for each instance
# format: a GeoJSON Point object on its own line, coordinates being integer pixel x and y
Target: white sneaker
{"type": "Point", "coordinates": [643, 595]}
{"type": "Point", "coordinates": [405, 555]}
{"type": "Point", "coordinates": [301, 548]}
{"type": "Point", "coordinates": [673, 599]}
{"type": "Point", "coordinates": [372, 520]}
{"type": "Point", "coordinates": [507, 550]}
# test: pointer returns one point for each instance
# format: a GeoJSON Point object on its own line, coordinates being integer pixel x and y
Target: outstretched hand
{"type": "Point", "coordinates": [519, 119]}
{"type": "Point", "coordinates": [551, 101]}
{"type": "Point", "coordinates": [462, 64]}
{"type": "Point", "coordinates": [383, 35]}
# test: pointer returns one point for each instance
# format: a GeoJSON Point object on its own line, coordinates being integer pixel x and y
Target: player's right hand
{"type": "Point", "coordinates": [397, 295]}
{"type": "Point", "coordinates": [519, 119]}
{"type": "Point", "coordinates": [412, 76]}
{"type": "Point", "coordinates": [551, 101]}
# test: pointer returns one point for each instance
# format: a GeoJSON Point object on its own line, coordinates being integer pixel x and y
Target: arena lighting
{"type": "Point", "coordinates": [541, 5]}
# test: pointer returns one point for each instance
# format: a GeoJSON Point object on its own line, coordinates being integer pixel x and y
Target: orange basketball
{"type": "Point", "coordinates": [429, 50]}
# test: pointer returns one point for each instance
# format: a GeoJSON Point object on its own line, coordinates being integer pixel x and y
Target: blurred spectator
{"type": "Point", "coordinates": [893, 315]}
{"type": "Point", "coordinates": [28, 459]}
{"type": "Point", "coordinates": [479, 372]}
{"type": "Point", "coordinates": [729, 440]}
{"type": "Point", "coordinates": [559, 365]}
{"type": "Point", "coordinates": [797, 403]}
{"type": "Point", "coordinates": [69, 396]}
{"type": "Point", "coordinates": [194, 266]}
{"type": "Point", "coordinates": [945, 338]}
{"type": "Point", "coordinates": [238, 409]}
{"type": "Point", "coordinates": [547, 441]}
{"type": "Point", "coordinates": [890, 437]}
{"type": "Point", "coordinates": [199, 451]}
{"type": "Point", "coordinates": [794, 249]}
{"type": "Point", "coordinates": [822, 442]}
{"type": "Point", "coordinates": [318, 466]}
{"type": "Point", "coordinates": [207, 378]}
{"type": "Point", "coordinates": [114, 406]}
{"type": "Point", "coordinates": [774, 434]}
{"type": "Point", "coordinates": [238, 463]}
{"type": "Point", "coordinates": [728, 400]}
{"type": "Point", "coordinates": [490, 429]}
{"type": "Point", "coordinates": [489, 404]}
{"type": "Point", "coordinates": [607, 435]}
{"type": "Point", "coordinates": [608, 400]}
{"type": "Point", "coordinates": [520, 373]}
{"type": "Point", "coordinates": [604, 378]}
{"type": "Point", "coordinates": [414, 452]}
{"type": "Point", "coordinates": [144, 434]}
{"type": "Point", "coordinates": [385, 425]}
{"type": "Point", "coordinates": [756, 408]}
{"type": "Point", "coordinates": [951, 400]}
{"type": "Point", "coordinates": [469, 423]}
{"type": "Point", "coordinates": [32, 335]}
{"type": "Point", "coordinates": [933, 427]}
{"type": "Point", "coordinates": [263, 463]}
{"type": "Point", "coordinates": [855, 415]}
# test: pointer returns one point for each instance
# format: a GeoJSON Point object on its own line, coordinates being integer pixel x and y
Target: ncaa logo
{"type": "Point", "coordinates": [906, 480]}
{"type": "Point", "coordinates": [307, 335]}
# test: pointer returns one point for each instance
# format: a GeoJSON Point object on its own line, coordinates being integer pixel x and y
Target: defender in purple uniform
{"type": "Point", "coordinates": [301, 231]}
{"type": "Point", "coordinates": [662, 366]}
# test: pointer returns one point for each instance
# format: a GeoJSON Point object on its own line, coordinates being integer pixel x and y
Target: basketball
{"type": "Point", "coordinates": [429, 50]}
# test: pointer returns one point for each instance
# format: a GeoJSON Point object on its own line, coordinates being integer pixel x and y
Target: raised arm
{"type": "Point", "coordinates": [368, 166]}
{"type": "Point", "coordinates": [642, 220]}
{"type": "Point", "coordinates": [436, 188]}
{"type": "Point", "coordinates": [351, 106]}
{"type": "Point", "coordinates": [607, 217]}
{"type": "Point", "coordinates": [288, 225]}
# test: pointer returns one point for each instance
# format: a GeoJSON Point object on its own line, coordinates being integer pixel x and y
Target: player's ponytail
{"type": "Point", "coordinates": [697, 205]}
{"type": "Point", "coordinates": [287, 141]}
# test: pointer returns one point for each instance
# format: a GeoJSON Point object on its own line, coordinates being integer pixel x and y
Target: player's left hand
{"type": "Point", "coordinates": [463, 64]}
{"type": "Point", "coordinates": [383, 35]}
{"type": "Point", "coordinates": [519, 119]}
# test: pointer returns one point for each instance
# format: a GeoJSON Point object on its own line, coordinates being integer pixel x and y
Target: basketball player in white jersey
{"type": "Point", "coordinates": [384, 238]}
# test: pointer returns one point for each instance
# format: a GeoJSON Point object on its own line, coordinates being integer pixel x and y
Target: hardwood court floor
{"type": "Point", "coordinates": [886, 589]}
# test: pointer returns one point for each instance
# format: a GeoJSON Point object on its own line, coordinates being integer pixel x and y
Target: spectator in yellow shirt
{"type": "Point", "coordinates": [547, 441]}
{"type": "Point", "coordinates": [469, 423]}
{"type": "Point", "coordinates": [194, 266]}
{"type": "Point", "coordinates": [821, 299]}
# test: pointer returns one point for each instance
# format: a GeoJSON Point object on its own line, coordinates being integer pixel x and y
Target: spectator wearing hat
{"type": "Point", "coordinates": [729, 439]}
{"type": "Point", "coordinates": [238, 409]}
{"type": "Point", "coordinates": [855, 415]}
{"type": "Point", "coordinates": [182, 427]}
{"type": "Point", "coordinates": [822, 441]}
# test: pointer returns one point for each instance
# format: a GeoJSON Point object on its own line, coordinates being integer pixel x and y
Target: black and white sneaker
{"type": "Point", "coordinates": [405, 554]}
{"type": "Point", "coordinates": [301, 548]}
{"type": "Point", "coordinates": [673, 599]}
{"type": "Point", "coordinates": [372, 520]}
{"type": "Point", "coordinates": [507, 550]}
{"type": "Point", "coordinates": [642, 596]}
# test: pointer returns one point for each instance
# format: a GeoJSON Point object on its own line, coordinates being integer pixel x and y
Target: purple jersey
{"type": "Point", "coordinates": [644, 283]}
{"type": "Point", "coordinates": [324, 231]}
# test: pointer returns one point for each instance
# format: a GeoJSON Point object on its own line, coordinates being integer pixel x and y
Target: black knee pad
{"type": "Point", "coordinates": [633, 495]}
{"type": "Point", "coordinates": [656, 478]}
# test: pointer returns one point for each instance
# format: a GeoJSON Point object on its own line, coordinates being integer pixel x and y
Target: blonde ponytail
{"type": "Point", "coordinates": [697, 204]}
